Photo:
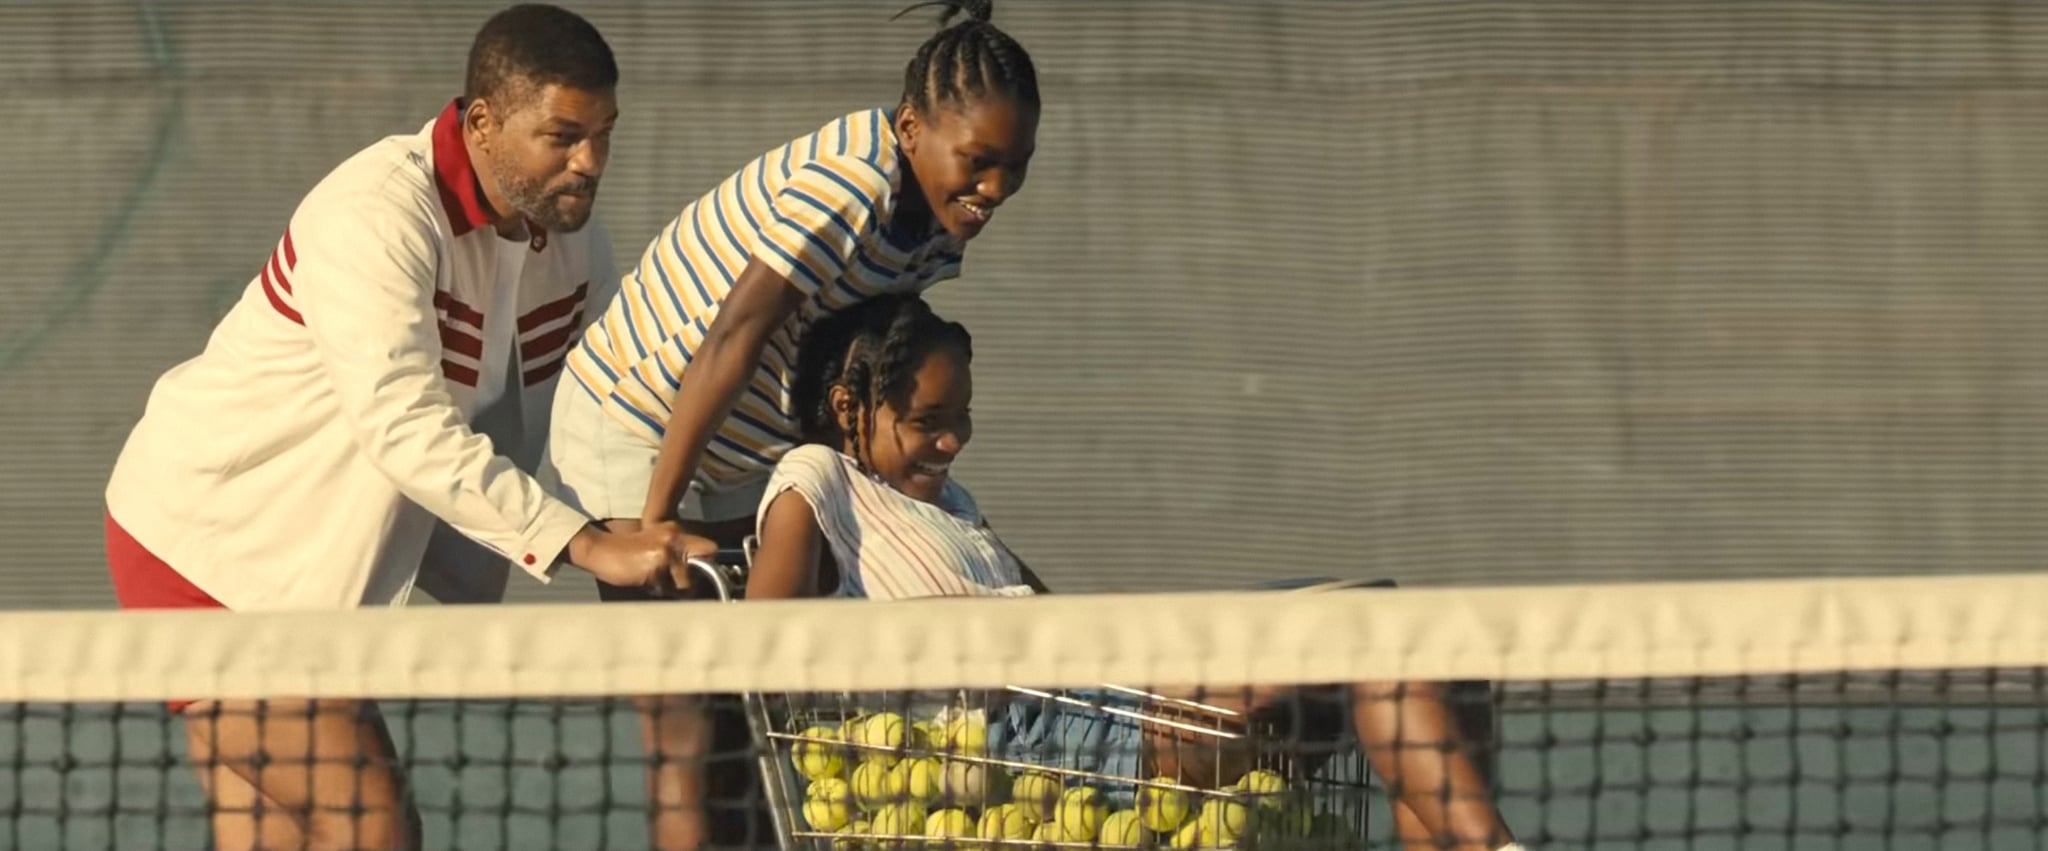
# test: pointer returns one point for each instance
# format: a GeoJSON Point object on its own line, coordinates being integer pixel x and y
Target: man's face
{"type": "Point", "coordinates": [546, 152]}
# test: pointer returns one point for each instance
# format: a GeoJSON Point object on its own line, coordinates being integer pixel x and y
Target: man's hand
{"type": "Point", "coordinates": [680, 574]}
{"type": "Point", "coordinates": [650, 556]}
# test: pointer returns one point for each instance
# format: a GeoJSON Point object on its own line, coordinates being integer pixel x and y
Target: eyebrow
{"type": "Point", "coordinates": [977, 149]}
{"type": "Point", "coordinates": [556, 121]}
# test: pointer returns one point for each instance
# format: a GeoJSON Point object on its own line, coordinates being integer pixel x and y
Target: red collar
{"type": "Point", "coordinates": [461, 195]}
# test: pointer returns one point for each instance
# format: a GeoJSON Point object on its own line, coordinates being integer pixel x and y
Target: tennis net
{"type": "Point", "coordinates": [1900, 713]}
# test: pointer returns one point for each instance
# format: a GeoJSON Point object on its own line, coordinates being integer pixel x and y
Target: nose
{"type": "Point", "coordinates": [589, 158]}
{"type": "Point", "coordinates": [951, 442]}
{"type": "Point", "coordinates": [999, 184]}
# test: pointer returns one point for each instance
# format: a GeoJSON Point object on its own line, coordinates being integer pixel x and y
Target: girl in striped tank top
{"type": "Point", "coordinates": [867, 509]}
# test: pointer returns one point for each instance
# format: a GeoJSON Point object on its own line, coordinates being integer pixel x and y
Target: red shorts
{"type": "Point", "coordinates": [143, 581]}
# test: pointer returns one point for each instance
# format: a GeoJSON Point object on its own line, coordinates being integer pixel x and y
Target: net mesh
{"type": "Point", "coordinates": [1446, 291]}
{"type": "Point", "coordinates": [1875, 713]}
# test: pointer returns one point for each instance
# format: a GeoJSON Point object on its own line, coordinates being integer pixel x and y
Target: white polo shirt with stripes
{"type": "Point", "coordinates": [890, 546]}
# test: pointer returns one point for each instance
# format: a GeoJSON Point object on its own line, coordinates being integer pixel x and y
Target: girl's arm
{"type": "Point", "coordinates": [786, 563]}
{"type": "Point", "coordinates": [760, 302]}
{"type": "Point", "coordinates": [811, 231]}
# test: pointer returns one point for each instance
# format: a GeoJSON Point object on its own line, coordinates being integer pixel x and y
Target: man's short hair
{"type": "Point", "coordinates": [533, 45]}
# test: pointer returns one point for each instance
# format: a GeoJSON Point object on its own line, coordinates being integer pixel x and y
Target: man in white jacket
{"type": "Point", "coordinates": [382, 387]}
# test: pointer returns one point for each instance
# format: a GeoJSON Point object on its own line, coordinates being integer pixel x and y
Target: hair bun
{"type": "Point", "coordinates": [974, 10]}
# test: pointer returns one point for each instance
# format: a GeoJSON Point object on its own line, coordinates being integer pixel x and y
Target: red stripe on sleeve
{"type": "Point", "coordinates": [277, 301]}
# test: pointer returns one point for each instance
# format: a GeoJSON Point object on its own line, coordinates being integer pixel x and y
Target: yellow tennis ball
{"type": "Point", "coordinates": [879, 739]}
{"type": "Point", "coordinates": [1188, 837]}
{"type": "Point", "coordinates": [964, 784]}
{"type": "Point", "coordinates": [1037, 793]}
{"type": "Point", "coordinates": [1004, 821]}
{"type": "Point", "coordinates": [854, 836]}
{"type": "Point", "coordinates": [922, 779]}
{"type": "Point", "coordinates": [1080, 813]}
{"type": "Point", "coordinates": [876, 784]}
{"type": "Point", "coordinates": [949, 825]}
{"type": "Point", "coordinates": [1221, 822]}
{"type": "Point", "coordinates": [885, 731]}
{"type": "Point", "coordinates": [1046, 832]}
{"type": "Point", "coordinates": [830, 789]}
{"type": "Point", "coordinates": [1122, 828]}
{"type": "Point", "coordinates": [825, 815]}
{"type": "Point", "coordinates": [816, 756]}
{"type": "Point", "coordinates": [896, 822]}
{"type": "Point", "coordinates": [1268, 786]}
{"type": "Point", "coordinates": [1162, 810]}
{"type": "Point", "coordinates": [967, 737]}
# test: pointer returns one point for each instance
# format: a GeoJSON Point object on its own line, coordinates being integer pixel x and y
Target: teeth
{"type": "Point", "coordinates": [978, 211]}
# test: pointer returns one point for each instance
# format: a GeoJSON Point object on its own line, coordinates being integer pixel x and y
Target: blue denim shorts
{"type": "Point", "coordinates": [1060, 735]}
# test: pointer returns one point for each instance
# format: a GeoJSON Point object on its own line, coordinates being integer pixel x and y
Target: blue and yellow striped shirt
{"type": "Point", "coordinates": [817, 211]}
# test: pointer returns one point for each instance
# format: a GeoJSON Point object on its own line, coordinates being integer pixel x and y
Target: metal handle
{"type": "Point", "coordinates": [725, 578]}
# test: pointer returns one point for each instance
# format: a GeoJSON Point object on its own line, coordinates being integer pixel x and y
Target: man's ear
{"type": "Point", "coordinates": [480, 122]}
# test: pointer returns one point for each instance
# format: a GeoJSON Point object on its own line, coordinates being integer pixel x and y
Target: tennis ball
{"type": "Point", "coordinates": [1189, 836]}
{"type": "Point", "coordinates": [1122, 828]}
{"type": "Point", "coordinates": [967, 737]}
{"type": "Point", "coordinates": [816, 757]}
{"type": "Point", "coordinates": [1046, 832]}
{"type": "Point", "coordinates": [885, 730]}
{"type": "Point", "coordinates": [875, 784]}
{"type": "Point", "coordinates": [1004, 821]}
{"type": "Point", "coordinates": [1220, 822]}
{"type": "Point", "coordinates": [826, 815]}
{"type": "Point", "coordinates": [1268, 786]}
{"type": "Point", "coordinates": [829, 789]}
{"type": "Point", "coordinates": [1080, 813]}
{"type": "Point", "coordinates": [1162, 810]}
{"type": "Point", "coordinates": [896, 822]}
{"type": "Point", "coordinates": [964, 784]}
{"type": "Point", "coordinates": [921, 779]}
{"type": "Point", "coordinates": [855, 837]}
{"type": "Point", "coordinates": [948, 825]}
{"type": "Point", "coordinates": [1037, 793]}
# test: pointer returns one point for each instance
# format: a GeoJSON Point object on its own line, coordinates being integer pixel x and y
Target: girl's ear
{"type": "Point", "coordinates": [909, 126]}
{"type": "Point", "coordinates": [842, 407]}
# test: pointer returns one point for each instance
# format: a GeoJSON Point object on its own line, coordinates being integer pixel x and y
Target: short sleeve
{"type": "Point", "coordinates": [816, 474]}
{"type": "Point", "coordinates": [817, 220]}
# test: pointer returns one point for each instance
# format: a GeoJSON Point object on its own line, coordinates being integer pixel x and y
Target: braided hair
{"type": "Point", "coordinates": [873, 349]}
{"type": "Point", "coordinates": [969, 59]}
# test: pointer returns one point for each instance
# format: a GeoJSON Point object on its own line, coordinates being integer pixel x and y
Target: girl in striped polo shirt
{"type": "Point", "coordinates": [867, 509]}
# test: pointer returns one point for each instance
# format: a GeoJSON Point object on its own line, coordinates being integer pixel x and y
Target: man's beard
{"type": "Point", "coordinates": [542, 204]}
